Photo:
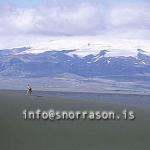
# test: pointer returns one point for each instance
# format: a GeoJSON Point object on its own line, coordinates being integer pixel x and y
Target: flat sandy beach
{"type": "Point", "coordinates": [19, 134]}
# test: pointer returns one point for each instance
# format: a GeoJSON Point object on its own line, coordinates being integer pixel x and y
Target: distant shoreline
{"type": "Point", "coordinates": [113, 92]}
{"type": "Point", "coordinates": [131, 100]}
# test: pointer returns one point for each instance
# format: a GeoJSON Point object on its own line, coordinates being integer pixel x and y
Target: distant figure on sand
{"type": "Point", "coordinates": [29, 89]}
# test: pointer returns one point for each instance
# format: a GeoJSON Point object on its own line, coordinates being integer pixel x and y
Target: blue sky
{"type": "Point", "coordinates": [35, 3]}
{"type": "Point", "coordinates": [21, 3]}
{"type": "Point", "coordinates": [107, 18]}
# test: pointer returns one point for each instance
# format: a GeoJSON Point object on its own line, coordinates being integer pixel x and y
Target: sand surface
{"type": "Point", "coordinates": [19, 134]}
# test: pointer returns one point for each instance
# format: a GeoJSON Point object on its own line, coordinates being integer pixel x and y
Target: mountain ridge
{"type": "Point", "coordinates": [16, 62]}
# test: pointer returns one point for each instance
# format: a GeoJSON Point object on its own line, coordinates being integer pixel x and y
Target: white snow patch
{"type": "Point", "coordinates": [108, 61]}
{"type": "Point", "coordinates": [83, 46]}
{"type": "Point", "coordinates": [143, 62]}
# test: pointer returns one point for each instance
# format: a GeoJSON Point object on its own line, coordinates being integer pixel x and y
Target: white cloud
{"type": "Point", "coordinates": [131, 21]}
{"type": "Point", "coordinates": [80, 20]}
{"type": "Point", "coordinates": [132, 17]}
{"type": "Point", "coordinates": [76, 19]}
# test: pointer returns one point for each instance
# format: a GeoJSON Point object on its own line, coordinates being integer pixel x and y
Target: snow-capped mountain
{"type": "Point", "coordinates": [84, 47]}
{"type": "Point", "coordinates": [83, 58]}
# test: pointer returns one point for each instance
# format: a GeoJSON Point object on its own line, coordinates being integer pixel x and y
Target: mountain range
{"type": "Point", "coordinates": [88, 62]}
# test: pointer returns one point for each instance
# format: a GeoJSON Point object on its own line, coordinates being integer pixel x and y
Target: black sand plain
{"type": "Point", "coordinates": [19, 134]}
